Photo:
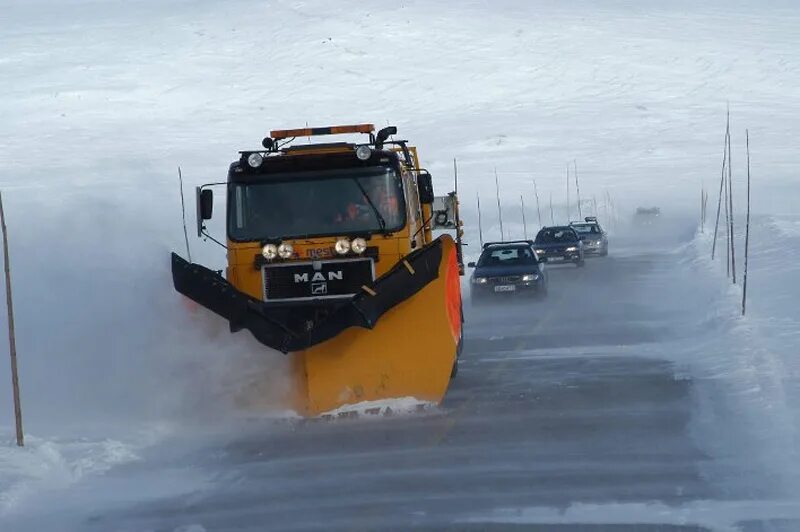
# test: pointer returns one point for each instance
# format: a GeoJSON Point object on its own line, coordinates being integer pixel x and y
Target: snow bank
{"type": "Point", "coordinates": [44, 465]}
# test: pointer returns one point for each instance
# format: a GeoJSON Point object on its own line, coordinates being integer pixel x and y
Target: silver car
{"type": "Point", "coordinates": [595, 240]}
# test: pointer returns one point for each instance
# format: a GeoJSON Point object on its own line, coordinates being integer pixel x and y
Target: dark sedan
{"type": "Point", "coordinates": [559, 244]}
{"type": "Point", "coordinates": [507, 268]}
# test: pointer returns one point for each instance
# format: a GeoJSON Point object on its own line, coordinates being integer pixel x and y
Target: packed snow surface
{"type": "Point", "coordinates": [635, 396]}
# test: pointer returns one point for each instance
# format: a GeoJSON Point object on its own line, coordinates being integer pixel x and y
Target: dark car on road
{"type": "Point", "coordinates": [507, 269]}
{"type": "Point", "coordinates": [559, 244]}
{"type": "Point", "coordinates": [646, 215]}
{"type": "Point", "coordinates": [595, 240]}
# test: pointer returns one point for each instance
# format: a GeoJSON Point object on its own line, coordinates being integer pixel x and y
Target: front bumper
{"type": "Point", "coordinates": [507, 289]}
{"type": "Point", "coordinates": [557, 257]}
{"type": "Point", "coordinates": [288, 327]}
{"type": "Point", "coordinates": [595, 249]}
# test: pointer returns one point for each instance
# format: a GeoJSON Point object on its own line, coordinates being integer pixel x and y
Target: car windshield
{"type": "Point", "coordinates": [507, 256]}
{"type": "Point", "coordinates": [586, 229]}
{"type": "Point", "coordinates": [556, 235]}
{"type": "Point", "coordinates": [307, 204]}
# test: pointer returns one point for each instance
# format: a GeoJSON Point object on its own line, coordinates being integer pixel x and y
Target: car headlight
{"type": "Point", "coordinates": [479, 280]}
{"type": "Point", "coordinates": [358, 245]}
{"type": "Point", "coordinates": [269, 251]}
{"type": "Point", "coordinates": [539, 251]}
{"type": "Point", "coordinates": [342, 246]}
{"type": "Point", "coordinates": [530, 276]}
{"type": "Point", "coordinates": [285, 250]}
{"type": "Point", "coordinates": [572, 248]}
{"type": "Point", "coordinates": [255, 160]}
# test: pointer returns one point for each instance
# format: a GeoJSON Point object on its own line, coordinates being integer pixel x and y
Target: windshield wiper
{"type": "Point", "coordinates": [381, 221]}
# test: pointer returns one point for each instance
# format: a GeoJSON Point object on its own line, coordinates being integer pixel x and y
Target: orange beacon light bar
{"type": "Point", "coordinates": [279, 134]}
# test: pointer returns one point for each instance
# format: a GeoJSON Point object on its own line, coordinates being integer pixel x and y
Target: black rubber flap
{"type": "Point", "coordinates": [268, 323]}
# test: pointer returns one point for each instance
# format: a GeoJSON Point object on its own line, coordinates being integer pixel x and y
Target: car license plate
{"type": "Point", "coordinates": [505, 288]}
{"type": "Point", "coordinates": [554, 259]}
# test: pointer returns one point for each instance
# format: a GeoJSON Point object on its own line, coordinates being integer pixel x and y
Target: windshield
{"type": "Point", "coordinates": [507, 256]}
{"type": "Point", "coordinates": [586, 229]}
{"type": "Point", "coordinates": [305, 204]}
{"type": "Point", "coordinates": [555, 235]}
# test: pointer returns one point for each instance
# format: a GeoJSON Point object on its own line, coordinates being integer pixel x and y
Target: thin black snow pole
{"type": "Point", "coordinates": [727, 231]}
{"type": "Point", "coordinates": [747, 228]}
{"type": "Point", "coordinates": [499, 209]}
{"type": "Point", "coordinates": [719, 200]}
{"type": "Point", "coordinates": [552, 219]}
{"type": "Point", "coordinates": [730, 200]}
{"type": "Point", "coordinates": [538, 210]}
{"type": "Point", "coordinates": [524, 223]}
{"type": "Point", "coordinates": [702, 221]}
{"type": "Point", "coordinates": [459, 232]}
{"type": "Point", "coordinates": [480, 225]}
{"type": "Point", "coordinates": [578, 190]}
{"type": "Point", "coordinates": [702, 206]}
{"type": "Point", "coordinates": [12, 340]}
{"type": "Point", "coordinates": [183, 214]}
{"type": "Point", "coordinates": [567, 220]}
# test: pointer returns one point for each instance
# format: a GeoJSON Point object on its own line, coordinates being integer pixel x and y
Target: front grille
{"type": "Point", "coordinates": [509, 279]}
{"type": "Point", "coordinates": [301, 280]}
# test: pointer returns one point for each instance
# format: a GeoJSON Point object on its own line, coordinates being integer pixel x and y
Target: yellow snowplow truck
{"type": "Point", "coordinates": [332, 260]}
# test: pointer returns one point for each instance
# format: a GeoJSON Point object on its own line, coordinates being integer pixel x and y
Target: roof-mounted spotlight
{"type": "Point", "coordinates": [363, 153]}
{"type": "Point", "coordinates": [255, 160]}
{"type": "Point", "coordinates": [383, 135]}
{"type": "Point", "coordinates": [268, 143]}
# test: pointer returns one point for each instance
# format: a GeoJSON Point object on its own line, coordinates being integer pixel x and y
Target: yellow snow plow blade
{"type": "Point", "coordinates": [410, 352]}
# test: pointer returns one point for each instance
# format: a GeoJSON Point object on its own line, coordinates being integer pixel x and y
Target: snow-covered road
{"type": "Point", "coordinates": [604, 405]}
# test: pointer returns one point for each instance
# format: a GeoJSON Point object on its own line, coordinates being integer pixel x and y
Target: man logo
{"type": "Point", "coordinates": [318, 276]}
{"type": "Point", "coordinates": [319, 289]}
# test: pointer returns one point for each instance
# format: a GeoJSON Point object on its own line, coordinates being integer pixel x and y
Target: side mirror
{"type": "Point", "coordinates": [425, 184]}
{"type": "Point", "coordinates": [205, 207]}
{"type": "Point", "coordinates": [470, 265]}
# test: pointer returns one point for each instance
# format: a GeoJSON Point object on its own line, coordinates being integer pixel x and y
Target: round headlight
{"type": "Point", "coordinates": [255, 160]}
{"type": "Point", "coordinates": [363, 153]}
{"type": "Point", "coordinates": [285, 250]}
{"type": "Point", "coordinates": [270, 251]}
{"type": "Point", "coordinates": [359, 245]}
{"type": "Point", "coordinates": [342, 246]}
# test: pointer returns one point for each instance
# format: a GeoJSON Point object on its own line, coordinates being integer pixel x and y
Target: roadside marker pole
{"type": "Point", "coordinates": [12, 342]}
{"type": "Point", "coordinates": [538, 210]}
{"type": "Point", "coordinates": [568, 213]}
{"type": "Point", "coordinates": [183, 214]}
{"type": "Point", "coordinates": [730, 201]}
{"type": "Point", "coordinates": [480, 225]}
{"type": "Point", "coordinates": [747, 229]}
{"type": "Point", "coordinates": [577, 191]}
{"type": "Point", "coordinates": [499, 209]}
{"type": "Point", "coordinates": [524, 223]}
